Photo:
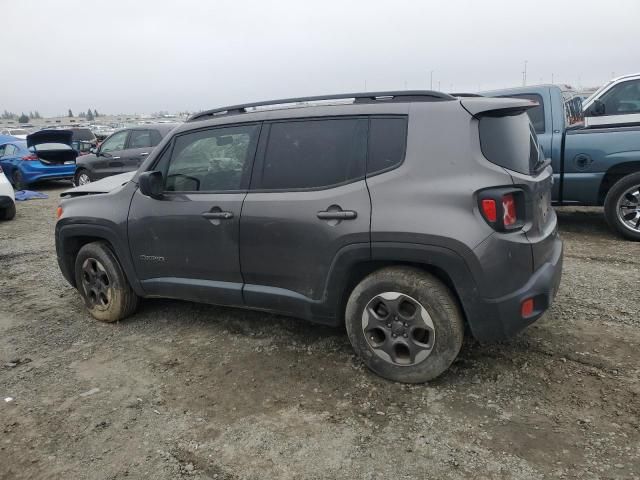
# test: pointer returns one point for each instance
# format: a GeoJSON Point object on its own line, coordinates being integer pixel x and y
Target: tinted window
{"type": "Point", "coordinates": [10, 151]}
{"type": "Point", "coordinates": [509, 141]}
{"type": "Point", "coordinates": [387, 141]}
{"type": "Point", "coordinates": [536, 114]}
{"type": "Point", "coordinates": [212, 160]}
{"type": "Point", "coordinates": [622, 99]}
{"type": "Point", "coordinates": [114, 142]}
{"type": "Point", "coordinates": [155, 137]}
{"type": "Point", "coordinates": [140, 139]}
{"type": "Point", "coordinates": [314, 153]}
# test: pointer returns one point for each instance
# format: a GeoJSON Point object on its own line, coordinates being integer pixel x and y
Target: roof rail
{"type": "Point", "coordinates": [368, 97]}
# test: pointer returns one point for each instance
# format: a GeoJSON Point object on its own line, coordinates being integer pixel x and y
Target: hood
{"type": "Point", "coordinates": [101, 186]}
{"type": "Point", "coordinates": [52, 146]}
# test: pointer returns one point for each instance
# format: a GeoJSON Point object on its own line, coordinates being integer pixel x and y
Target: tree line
{"type": "Point", "coordinates": [24, 117]}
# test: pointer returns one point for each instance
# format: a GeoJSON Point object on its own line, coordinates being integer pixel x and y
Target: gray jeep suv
{"type": "Point", "coordinates": [406, 216]}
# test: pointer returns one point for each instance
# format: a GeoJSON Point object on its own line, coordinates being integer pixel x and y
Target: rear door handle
{"type": "Point", "coordinates": [218, 215]}
{"type": "Point", "coordinates": [144, 153]}
{"type": "Point", "coordinates": [337, 215]}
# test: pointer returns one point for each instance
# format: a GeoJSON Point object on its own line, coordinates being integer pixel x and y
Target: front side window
{"type": "Point", "coordinates": [212, 160]}
{"type": "Point", "coordinates": [622, 99]}
{"type": "Point", "coordinates": [314, 153]}
{"type": "Point", "coordinates": [115, 142]}
{"type": "Point", "coordinates": [140, 139]}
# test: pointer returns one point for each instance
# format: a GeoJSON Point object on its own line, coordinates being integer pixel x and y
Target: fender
{"type": "Point", "coordinates": [65, 234]}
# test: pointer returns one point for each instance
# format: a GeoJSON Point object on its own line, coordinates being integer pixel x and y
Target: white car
{"type": "Point", "coordinates": [20, 133]}
{"type": "Point", "coordinates": [7, 198]}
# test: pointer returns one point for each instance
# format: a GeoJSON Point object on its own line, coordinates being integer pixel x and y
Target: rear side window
{"type": "Point", "coordinates": [314, 153]}
{"type": "Point", "coordinates": [387, 144]}
{"type": "Point", "coordinates": [140, 139]}
{"type": "Point", "coordinates": [155, 137]}
{"type": "Point", "coordinates": [510, 141]}
{"type": "Point", "coordinates": [536, 114]}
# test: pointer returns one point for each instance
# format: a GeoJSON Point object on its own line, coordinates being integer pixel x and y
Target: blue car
{"type": "Point", "coordinates": [44, 155]}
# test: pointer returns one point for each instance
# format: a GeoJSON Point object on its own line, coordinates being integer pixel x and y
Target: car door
{"type": "Point", "coordinates": [185, 245]}
{"type": "Point", "coordinates": [9, 160]}
{"type": "Point", "coordinates": [109, 159]}
{"type": "Point", "coordinates": [308, 200]}
{"type": "Point", "coordinates": [138, 147]}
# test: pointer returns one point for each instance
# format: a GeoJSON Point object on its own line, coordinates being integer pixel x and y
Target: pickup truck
{"type": "Point", "coordinates": [594, 146]}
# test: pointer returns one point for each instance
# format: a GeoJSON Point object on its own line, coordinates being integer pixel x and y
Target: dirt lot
{"type": "Point", "coordinates": [195, 391]}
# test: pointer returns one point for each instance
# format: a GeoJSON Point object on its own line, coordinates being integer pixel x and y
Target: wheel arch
{"type": "Point", "coordinates": [71, 238]}
{"type": "Point", "coordinates": [614, 174]}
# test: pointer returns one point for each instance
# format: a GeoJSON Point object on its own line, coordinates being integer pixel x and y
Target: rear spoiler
{"type": "Point", "coordinates": [495, 107]}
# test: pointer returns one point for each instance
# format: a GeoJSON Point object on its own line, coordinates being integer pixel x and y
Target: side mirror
{"type": "Point", "coordinates": [597, 109]}
{"type": "Point", "coordinates": [151, 184]}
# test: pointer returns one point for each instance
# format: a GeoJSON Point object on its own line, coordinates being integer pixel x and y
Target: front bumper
{"type": "Point", "coordinates": [501, 317]}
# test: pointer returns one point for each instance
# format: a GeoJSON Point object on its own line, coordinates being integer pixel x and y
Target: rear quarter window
{"type": "Point", "coordinates": [387, 144]}
{"type": "Point", "coordinates": [510, 141]}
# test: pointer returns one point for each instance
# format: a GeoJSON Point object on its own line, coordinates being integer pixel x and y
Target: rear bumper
{"type": "Point", "coordinates": [36, 171]}
{"type": "Point", "coordinates": [501, 317]}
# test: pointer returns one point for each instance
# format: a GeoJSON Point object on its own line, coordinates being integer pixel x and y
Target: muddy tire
{"type": "Point", "coordinates": [102, 283]}
{"type": "Point", "coordinates": [82, 177]}
{"type": "Point", "coordinates": [8, 213]}
{"type": "Point", "coordinates": [405, 324]}
{"type": "Point", "coordinates": [622, 207]}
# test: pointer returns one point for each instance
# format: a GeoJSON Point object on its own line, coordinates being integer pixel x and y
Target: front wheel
{"type": "Point", "coordinates": [102, 283]}
{"type": "Point", "coordinates": [8, 213]}
{"type": "Point", "coordinates": [405, 324]}
{"type": "Point", "coordinates": [622, 207]}
{"type": "Point", "coordinates": [81, 177]}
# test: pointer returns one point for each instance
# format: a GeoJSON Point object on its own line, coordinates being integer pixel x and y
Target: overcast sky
{"type": "Point", "coordinates": [150, 55]}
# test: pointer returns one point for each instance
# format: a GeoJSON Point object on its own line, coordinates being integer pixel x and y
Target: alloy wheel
{"type": "Point", "coordinates": [628, 208]}
{"type": "Point", "coordinates": [398, 328]}
{"type": "Point", "coordinates": [96, 284]}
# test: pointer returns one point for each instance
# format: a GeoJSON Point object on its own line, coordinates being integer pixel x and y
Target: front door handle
{"type": "Point", "coordinates": [218, 215]}
{"type": "Point", "coordinates": [144, 153]}
{"type": "Point", "coordinates": [337, 215]}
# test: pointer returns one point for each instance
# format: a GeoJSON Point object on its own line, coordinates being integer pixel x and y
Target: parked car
{"type": "Point", "coordinates": [45, 155]}
{"type": "Point", "coordinates": [7, 198]}
{"type": "Point", "coordinates": [19, 133]}
{"type": "Point", "coordinates": [123, 151]}
{"type": "Point", "coordinates": [406, 216]}
{"type": "Point", "coordinates": [595, 162]}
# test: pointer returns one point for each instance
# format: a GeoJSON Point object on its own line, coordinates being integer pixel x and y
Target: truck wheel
{"type": "Point", "coordinates": [9, 212]}
{"type": "Point", "coordinates": [102, 283]}
{"type": "Point", "coordinates": [18, 180]}
{"type": "Point", "coordinates": [81, 177]}
{"type": "Point", "coordinates": [405, 324]}
{"type": "Point", "coordinates": [622, 207]}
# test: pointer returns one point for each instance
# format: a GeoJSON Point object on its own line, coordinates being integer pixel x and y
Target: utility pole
{"type": "Point", "coordinates": [524, 75]}
{"type": "Point", "coordinates": [551, 78]}
{"type": "Point", "coordinates": [431, 80]}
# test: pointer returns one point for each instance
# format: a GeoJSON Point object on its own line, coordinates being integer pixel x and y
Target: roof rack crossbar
{"type": "Point", "coordinates": [367, 97]}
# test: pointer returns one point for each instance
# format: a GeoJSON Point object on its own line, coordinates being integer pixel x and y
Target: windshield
{"type": "Point", "coordinates": [595, 94]}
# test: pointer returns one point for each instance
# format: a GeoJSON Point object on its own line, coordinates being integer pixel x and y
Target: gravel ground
{"type": "Point", "coordinates": [196, 391]}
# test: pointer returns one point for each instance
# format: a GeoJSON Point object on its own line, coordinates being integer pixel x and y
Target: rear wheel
{"type": "Point", "coordinates": [102, 283]}
{"type": "Point", "coordinates": [18, 180]}
{"type": "Point", "coordinates": [9, 212]}
{"type": "Point", "coordinates": [82, 177]}
{"type": "Point", "coordinates": [405, 324]}
{"type": "Point", "coordinates": [622, 207]}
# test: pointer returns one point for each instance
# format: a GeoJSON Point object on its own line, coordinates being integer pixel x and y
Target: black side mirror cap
{"type": "Point", "coordinates": [151, 184]}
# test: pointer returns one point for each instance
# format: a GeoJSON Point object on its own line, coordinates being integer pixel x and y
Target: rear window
{"type": "Point", "coordinates": [510, 141]}
{"type": "Point", "coordinates": [83, 135]}
{"type": "Point", "coordinates": [536, 114]}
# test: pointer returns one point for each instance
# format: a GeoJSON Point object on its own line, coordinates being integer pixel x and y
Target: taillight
{"type": "Point", "coordinates": [58, 212]}
{"type": "Point", "coordinates": [503, 208]}
{"type": "Point", "coordinates": [30, 157]}
{"type": "Point", "coordinates": [509, 215]}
